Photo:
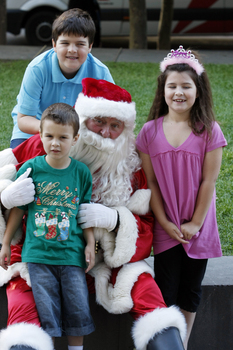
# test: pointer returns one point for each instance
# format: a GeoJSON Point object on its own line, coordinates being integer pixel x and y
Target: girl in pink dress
{"type": "Point", "coordinates": [181, 151]}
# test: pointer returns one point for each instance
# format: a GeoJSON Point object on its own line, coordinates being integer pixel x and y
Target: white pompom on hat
{"type": "Point", "coordinates": [100, 98]}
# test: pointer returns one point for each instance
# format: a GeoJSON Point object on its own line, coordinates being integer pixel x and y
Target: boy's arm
{"type": "Point", "coordinates": [88, 234]}
{"type": "Point", "coordinates": [14, 220]}
{"type": "Point", "coordinates": [28, 123]}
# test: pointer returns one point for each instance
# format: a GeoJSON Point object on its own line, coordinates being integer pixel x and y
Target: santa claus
{"type": "Point", "coordinates": [121, 218]}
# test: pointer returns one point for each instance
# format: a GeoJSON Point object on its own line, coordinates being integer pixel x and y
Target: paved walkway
{"type": "Point", "coordinates": [15, 52]}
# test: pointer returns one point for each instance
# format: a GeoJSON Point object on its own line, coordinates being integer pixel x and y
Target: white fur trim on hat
{"type": "Point", "coordinates": [117, 299]}
{"type": "Point", "coordinates": [89, 107]}
{"type": "Point", "coordinates": [25, 334]}
{"type": "Point", "coordinates": [147, 326]}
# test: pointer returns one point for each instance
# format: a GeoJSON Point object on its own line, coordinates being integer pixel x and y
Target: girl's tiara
{"type": "Point", "coordinates": [181, 56]}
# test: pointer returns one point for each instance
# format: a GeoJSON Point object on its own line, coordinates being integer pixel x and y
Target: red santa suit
{"type": "Point", "coordinates": [123, 280]}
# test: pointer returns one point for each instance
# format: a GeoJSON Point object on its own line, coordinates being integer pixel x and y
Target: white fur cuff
{"type": "Point", "coordinates": [117, 299]}
{"type": "Point", "coordinates": [25, 334]}
{"type": "Point", "coordinates": [17, 269]}
{"type": "Point", "coordinates": [145, 328]}
{"type": "Point", "coordinates": [8, 172]}
{"type": "Point", "coordinates": [139, 202]}
{"type": "Point", "coordinates": [119, 249]}
{"type": "Point", "coordinates": [7, 157]}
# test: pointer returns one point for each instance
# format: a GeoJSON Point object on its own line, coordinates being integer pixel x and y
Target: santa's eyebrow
{"type": "Point", "coordinates": [118, 122]}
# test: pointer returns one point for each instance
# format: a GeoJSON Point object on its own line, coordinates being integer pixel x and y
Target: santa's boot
{"type": "Point", "coordinates": [161, 329]}
{"type": "Point", "coordinates": [169, 339]}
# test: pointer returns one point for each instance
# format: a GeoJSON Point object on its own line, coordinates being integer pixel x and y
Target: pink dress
{"type": "Point", "coordinates": [179, 172]}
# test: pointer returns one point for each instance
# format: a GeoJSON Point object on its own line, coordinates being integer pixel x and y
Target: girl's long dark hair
{"type": "Point", "coordinates": [202, 112]}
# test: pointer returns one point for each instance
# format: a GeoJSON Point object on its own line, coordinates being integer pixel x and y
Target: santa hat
{"type": "Point", "coordinates": [100, 98]}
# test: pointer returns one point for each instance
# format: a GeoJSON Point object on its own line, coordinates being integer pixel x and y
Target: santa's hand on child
{"type": "Point", "coordinates": [97, 215]}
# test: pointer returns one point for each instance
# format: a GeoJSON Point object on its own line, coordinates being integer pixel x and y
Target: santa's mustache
{"type": "Point", "coordinates": [111, 164]}
{"type": "Point", "coordinates": [99, 142]}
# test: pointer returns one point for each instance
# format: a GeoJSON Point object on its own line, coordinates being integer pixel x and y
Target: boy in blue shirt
{"type": "Point", "coordinates": [55, 247]}
{"type": "Point", "coordinates": [56, 75]}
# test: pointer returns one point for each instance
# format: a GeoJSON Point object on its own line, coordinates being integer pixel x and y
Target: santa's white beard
{"type": "Point", "coordinates": [111, 162]}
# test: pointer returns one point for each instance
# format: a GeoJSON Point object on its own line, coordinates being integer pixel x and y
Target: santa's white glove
{"type": "Point", "coordinates": [20, 192]}
{"type": "Point", "coordinates": [97, 215]}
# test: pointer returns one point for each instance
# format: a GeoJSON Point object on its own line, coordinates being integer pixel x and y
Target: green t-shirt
{"type": "Point", "coordinates": [52, 234]}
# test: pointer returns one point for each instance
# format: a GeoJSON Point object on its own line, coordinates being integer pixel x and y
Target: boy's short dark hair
{"type": "Point", "coordinates": [74, 21]}
{"type": "Point", "coordinates": [61, 113]}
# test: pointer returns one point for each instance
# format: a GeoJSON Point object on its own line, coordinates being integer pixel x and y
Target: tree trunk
{"type": "Point", "coordinates": [165, 25]}
{"type": "Point", "coordinates": [138, 24]}
{"type": "Point", "coordinates": [2, 22]}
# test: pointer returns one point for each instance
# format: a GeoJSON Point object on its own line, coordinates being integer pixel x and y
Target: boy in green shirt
{"type": "Point", "coordinates": [55, 247]}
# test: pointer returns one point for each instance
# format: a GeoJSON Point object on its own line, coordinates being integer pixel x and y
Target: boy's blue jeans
{"type": "Point", "coordinates": [61, 297]}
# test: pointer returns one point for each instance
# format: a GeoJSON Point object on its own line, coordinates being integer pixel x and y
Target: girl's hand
{"type": "Point", "coordinates": [5, 256]}
{"type": "Point", "coordinates": [173, 231]}
{"type": "Point", "coordinates": [189, 229]}
{"type": "Point", "coordinates": [90, 256]}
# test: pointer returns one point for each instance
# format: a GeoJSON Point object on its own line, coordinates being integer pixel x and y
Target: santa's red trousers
{"type": "Point", "coordinates": [145, 294]}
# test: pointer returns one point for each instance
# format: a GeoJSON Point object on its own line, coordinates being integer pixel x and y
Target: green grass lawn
{"type": "Point", "coordinates": [140, 80]}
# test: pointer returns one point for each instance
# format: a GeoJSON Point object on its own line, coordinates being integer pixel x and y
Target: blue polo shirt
{"type": "Point", "coordinates": [44, 84]}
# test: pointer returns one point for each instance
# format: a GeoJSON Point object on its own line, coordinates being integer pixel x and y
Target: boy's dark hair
{"type": "Point", "coordinates": [202, 112]}
{"type": "Point", "coordinates": [61, 113]}
{"type": "Point", "coordinates": [74, 21]}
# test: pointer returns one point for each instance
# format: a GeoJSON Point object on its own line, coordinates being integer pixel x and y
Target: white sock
{"type": "Point", "coordinates": [75, 347]}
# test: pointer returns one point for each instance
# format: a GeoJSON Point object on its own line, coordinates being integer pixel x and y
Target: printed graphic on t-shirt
{"type": "Point", "coordinates": [50, 194]}
{"type": "Point", "coordinates": [54, 223]}
{"type": "Point", "coordinates": [40, 224]}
